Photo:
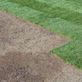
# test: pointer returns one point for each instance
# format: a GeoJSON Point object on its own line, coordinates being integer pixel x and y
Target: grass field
{"type": "Point", "coordinates": [63, 17]}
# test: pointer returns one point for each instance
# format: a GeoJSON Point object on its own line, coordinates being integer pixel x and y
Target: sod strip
{"type": "Point", "coordinates": [52, 12]}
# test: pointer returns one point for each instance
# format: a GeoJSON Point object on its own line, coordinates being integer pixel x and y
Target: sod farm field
{"type": "Point", "coordinates": [63, 17]}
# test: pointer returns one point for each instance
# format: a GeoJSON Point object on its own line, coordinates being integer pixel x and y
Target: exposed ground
{"type": "Point", "coordinates": [63, 17]}
{"type": "Point", "coordinates": [25, 54]}
{"type": "Point", "coordinates": [21, 36]}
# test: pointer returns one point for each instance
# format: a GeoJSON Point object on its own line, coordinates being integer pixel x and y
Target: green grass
{"type": "Point", "coordinates": [63, 17]}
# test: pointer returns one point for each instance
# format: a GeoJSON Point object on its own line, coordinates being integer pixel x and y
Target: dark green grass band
{"type": "Point", "coordinates": [52, 12]}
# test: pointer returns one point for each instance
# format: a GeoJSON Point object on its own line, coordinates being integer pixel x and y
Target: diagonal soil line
{"type": "Point", "coordinates": [25, 57]}
{"type": "Point", "coordinates": [26, 36]}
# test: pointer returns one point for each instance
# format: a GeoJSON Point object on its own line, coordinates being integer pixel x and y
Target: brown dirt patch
{"type": "Point", "coordinates": [25, 57]}
{"type": "Point", "coordinates": [20, 67]}
{"type": "Point", "coordinates": [25, 36]}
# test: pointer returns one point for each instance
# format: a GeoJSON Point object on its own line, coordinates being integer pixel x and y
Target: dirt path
{"type": "Point", "coordinates": [25, 57]}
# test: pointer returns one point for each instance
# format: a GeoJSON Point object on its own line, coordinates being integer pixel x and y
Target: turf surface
{"type": "Point", "coordinates": [63, 17]}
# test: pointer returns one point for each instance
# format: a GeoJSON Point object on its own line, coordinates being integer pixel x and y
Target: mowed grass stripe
{"type": "Point", "coordinates": [52, 12]}
{"type": "Point", "coordinates": [71, 4]}
{"type": "Point", "coordinates": [22, 11]}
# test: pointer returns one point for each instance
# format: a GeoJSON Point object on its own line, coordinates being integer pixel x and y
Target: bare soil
{"type": "Point", "coordinates": [25, 53]}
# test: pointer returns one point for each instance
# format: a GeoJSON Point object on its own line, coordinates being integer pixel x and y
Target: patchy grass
{"type": "Point", "coordinates": [63, 17]}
